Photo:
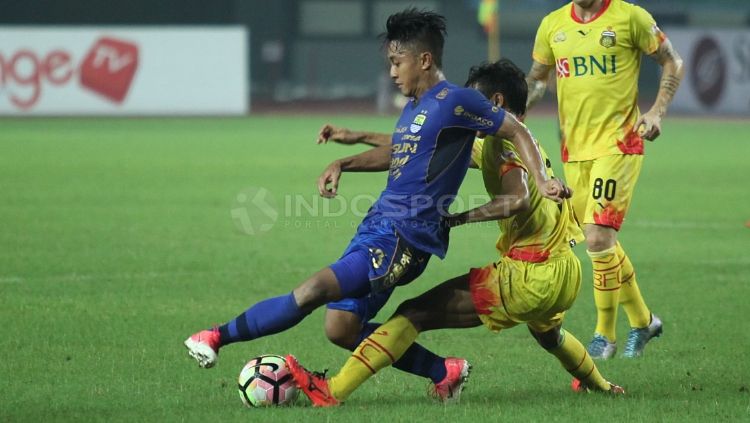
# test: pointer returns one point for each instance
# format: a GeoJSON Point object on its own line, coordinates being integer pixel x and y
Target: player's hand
{"type": "Point", "coordinates": [555, 190]}
{"type": "Point", "coordinates": [649, 125]}
{"type": "Point", "coordinates": [331, 175]}
{"type": "Point", "coordinates": [333, 133]}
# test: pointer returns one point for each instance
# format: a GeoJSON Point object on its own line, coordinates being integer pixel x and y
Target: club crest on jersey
{"type": "Point", "coordinates": [417, 123]}
{"type": "Point", "coordinates": [609, 38]}
{"type": "Point", "coordinates": [377, 256]}
{"type": "Point", "coordinates": [559, 37]}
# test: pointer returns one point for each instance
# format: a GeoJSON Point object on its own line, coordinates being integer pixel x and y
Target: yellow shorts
{"type": "Point", "coordinates": [510, 292]}
{"type": "Point", "coordinates": [603, 188]}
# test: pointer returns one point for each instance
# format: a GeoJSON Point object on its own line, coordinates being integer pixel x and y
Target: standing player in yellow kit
{"type": "Point", "coordinates": [595, 48]}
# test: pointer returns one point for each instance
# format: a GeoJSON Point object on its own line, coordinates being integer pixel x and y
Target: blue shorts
{"type": "Point", "coordinates": [374, 263]}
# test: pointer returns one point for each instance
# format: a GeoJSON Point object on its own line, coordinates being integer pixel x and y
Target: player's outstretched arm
{"type": "Point", "coordinates": [527, 148]}
{"type": "Point", "coordinates": [346, 136]}
{"type": "Point", "coordinates": [537, 82]}
{"type": "Point", "coordinates": [649, 124]}
{"type": "Point", "coordinates": [373, 160]}
{"type": "Point", "coordinates": [514, 199]}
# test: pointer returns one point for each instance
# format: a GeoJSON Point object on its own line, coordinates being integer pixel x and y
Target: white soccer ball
{"type": "Point", "coordinates": [265, 381]}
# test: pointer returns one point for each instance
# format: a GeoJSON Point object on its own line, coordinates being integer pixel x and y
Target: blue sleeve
{"type": "Point", "coordinates": [470, 109]}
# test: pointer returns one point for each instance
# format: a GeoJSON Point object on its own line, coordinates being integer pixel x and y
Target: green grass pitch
{"type": "Point", "coordinates": [118, 241]}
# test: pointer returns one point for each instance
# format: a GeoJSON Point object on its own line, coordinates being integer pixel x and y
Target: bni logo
{"type": "Point", "coordinates": [562, 66]}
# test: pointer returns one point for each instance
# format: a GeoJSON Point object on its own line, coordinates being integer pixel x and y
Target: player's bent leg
{"type": "Point", "coordinates": [606, 265]}
{"type": "Point", "coordinates": [644, 325]}
{"type": "Point", "coordinates": [573, 357]}
{"type": "Point", "coordinates": [639, 316]}
{"type": "Point", "coordinates": [267, 317]}
{"type": "Point", "coordinates": [448, 305]}
{"type": "Point", "coordinates": [388, 343]}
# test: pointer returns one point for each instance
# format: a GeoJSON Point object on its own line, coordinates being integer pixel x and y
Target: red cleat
{"type": "Point", "coordinates": [204, 347]}
{"type": "Point", "coordinates": [313, 384]}
{"type": "Point", "coordinates": [579, 386]}
{"type": "Point", "coordinates": [457, 374]}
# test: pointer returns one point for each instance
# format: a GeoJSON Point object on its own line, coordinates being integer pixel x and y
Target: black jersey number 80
{"type": "Point", "coordinates": [607, 188]}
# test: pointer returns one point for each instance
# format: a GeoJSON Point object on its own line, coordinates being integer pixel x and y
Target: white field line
{"type": "Point", "coordinates": [683, 224]}
{"type": "Point", "coordinates": [77, 277]}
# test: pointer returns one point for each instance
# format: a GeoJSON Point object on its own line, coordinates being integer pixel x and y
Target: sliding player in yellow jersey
{"type": "Point", "coordinates": [535, 281]}
{"type": "Point", "coordinates": [595, 48]}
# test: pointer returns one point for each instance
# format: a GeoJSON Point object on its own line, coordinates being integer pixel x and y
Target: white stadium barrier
{"type": "Point", "coordinates": [133, 70]}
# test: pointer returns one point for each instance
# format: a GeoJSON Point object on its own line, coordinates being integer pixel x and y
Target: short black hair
{"type": "Point", "coordinates": [421, 29]}
{"type": "Point", "coordinates": [502, 77]}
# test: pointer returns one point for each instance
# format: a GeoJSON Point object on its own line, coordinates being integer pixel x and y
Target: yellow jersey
{"type": "Point", "coordinates": [597, 65]}
{"type": "Point", "coordinates": [546, 230]}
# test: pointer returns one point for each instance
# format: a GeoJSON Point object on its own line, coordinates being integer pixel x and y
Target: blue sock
{"type": "Point", "coordinates": [264, 318]}
{"type": "Point", "coordinates": [417, 360]}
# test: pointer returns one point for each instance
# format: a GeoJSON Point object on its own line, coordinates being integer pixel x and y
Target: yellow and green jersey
{"type": "Point", "coordinates": [543, 231]}
{"type": "Point", "coordinates": [597, 65]}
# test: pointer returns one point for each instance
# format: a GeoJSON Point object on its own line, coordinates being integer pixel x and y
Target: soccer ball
{"type": "Point", "coordinates": [265, 381]}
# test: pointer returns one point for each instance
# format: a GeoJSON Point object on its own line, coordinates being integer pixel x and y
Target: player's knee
{"type": "Point", "coordinates": [600, 238]}
{"type": "Point", "coordinates": [342, 328]}
{"type": "Point", "coordinates": [548, 340]}
{"type": "Point", "coordinates": [313, 293]}
{"type": "Point", "coordinates": [342, 336]}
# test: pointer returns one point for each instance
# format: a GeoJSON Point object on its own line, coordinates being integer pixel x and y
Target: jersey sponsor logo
{"type": "Point", "coordinates": [442, 94]}
{"type": "Point", "coordinates": [559, 37]}
{"type": "Point", "coordinates": [404, 147]}
{"type": "Point", "coordinates": [609, 38]}
{"type": "Point", "coordinates": [461, 112]}
{"type": "Point", "coordinates": [562, 66]}
{"type": "Point", "coordinates": [107, 69]}
{"type": "Point", "coordinates": [586, 66]}
{"type": "Point", "coordinates": [416, 124]}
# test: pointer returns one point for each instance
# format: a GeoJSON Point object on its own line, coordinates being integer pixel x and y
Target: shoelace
{"type": "Point", "coordinates": [311, 384]}
{"type": "Point", "coordinates": [599, 344]}
{"type": "Point", "coordinates": [635, 340]}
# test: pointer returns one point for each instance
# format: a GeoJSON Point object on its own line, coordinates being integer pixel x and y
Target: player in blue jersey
{"type": "Point", "coordinates": [428, 159]}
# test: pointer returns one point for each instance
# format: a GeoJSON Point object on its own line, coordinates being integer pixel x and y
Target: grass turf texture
{"type": "Point", "coordinates": [118, 242]}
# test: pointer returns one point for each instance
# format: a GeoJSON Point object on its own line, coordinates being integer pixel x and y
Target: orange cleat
{"type": "Point", "coordinates": [613, 390]}
{"type": "Point", "coordinates": [457, 374]}
{"type": "Point", "coordinates": [313, 384]}
{"type": "Point", "coordinates": [204, 347]}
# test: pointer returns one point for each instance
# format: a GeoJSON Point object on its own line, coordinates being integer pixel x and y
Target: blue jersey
{"type": "Point", "coordinates": [430, 155]}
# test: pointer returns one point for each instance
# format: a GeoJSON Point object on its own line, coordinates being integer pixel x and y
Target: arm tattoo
{"type": "Point", "coordinates": [669, 84]}
{"type": "Point", "coordinates": [672, 72]}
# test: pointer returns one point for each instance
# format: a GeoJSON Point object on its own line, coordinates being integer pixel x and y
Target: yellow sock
{"type": "Point", "coordinates": [632, 302]}
{"type": "Point", "coordinates": [606, 265]}
{"type": "Point", "coordinates": [379, 350]}
{"type": "Point", "coordinates": [578, 362]}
